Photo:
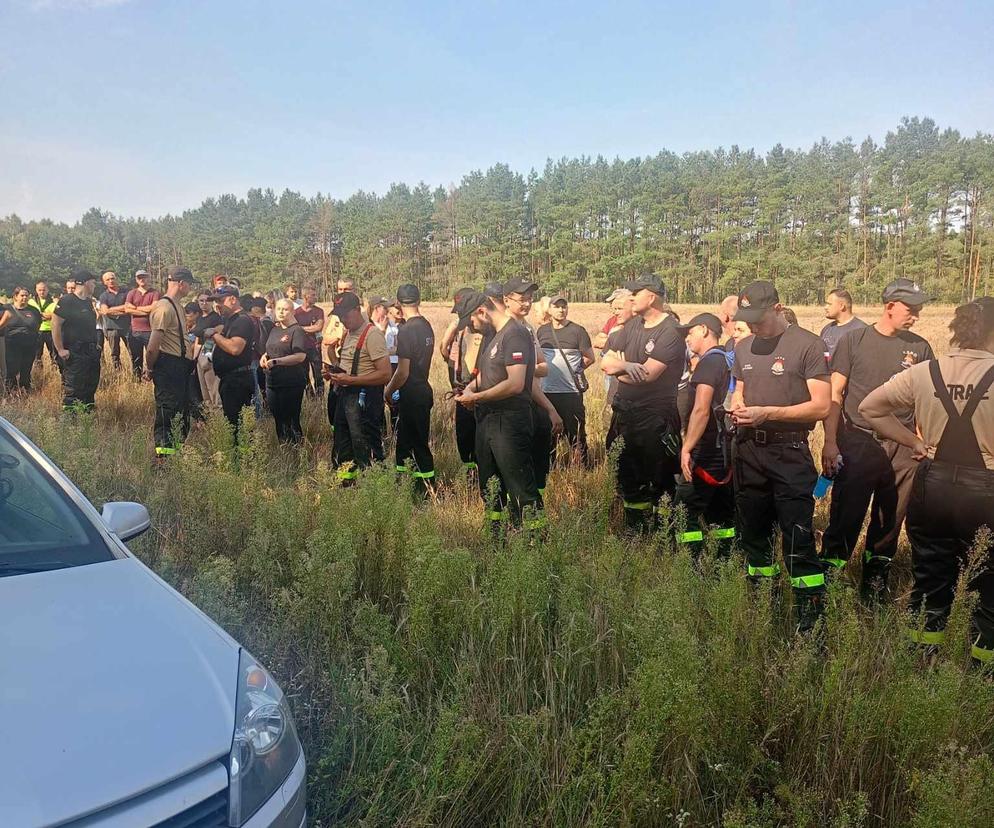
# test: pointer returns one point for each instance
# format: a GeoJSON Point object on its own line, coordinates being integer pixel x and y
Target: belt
{"type": "Point", "coordinates": [944, 472]}
{"type": "Point", "coordinates": [242, 369]}
{"type": "Point", "coordinates": [765, 437]}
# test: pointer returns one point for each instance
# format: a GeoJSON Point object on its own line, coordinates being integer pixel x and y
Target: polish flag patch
{"type": "Point", "coordinates": [517, 356]}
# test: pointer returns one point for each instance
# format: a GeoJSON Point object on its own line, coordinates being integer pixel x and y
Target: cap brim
{"type": "Point", "coordinates": [912, 301]}
{"type": "Point", "coordinates": [750, 314]}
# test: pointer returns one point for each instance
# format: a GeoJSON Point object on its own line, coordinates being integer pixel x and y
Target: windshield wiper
{"type": "Point", "coordinates": [24, 568]}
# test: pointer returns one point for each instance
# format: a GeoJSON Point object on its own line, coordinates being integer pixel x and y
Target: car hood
{"type": "Point", "coordinates": [111, 684]}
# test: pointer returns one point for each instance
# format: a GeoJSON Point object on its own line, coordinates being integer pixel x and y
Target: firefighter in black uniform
{"type": "Point", "coordinates": [782, 389]}
{"type": "Point", "coordinates": [648, 361]}
{"type": "Point", "coordinates": [74, 333]}
{"type": "Point", "coordinates": [234, 350]}
{"type": "Point", "coordinates": [500, 394]}
{"type": "Point", "coordinates": [168, 357]}
{"type": "Point", "coordinates": [705, 459]}
{"type": "Point", "coordinates": [953, 492]}
{"type": "Point", "coordinates": [415, 346]}
{"type": "Point", "coordinates": [871, 467]}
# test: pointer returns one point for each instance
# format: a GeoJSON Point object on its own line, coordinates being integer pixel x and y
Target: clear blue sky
{"type": "Point", "coordinates": [144, 107]}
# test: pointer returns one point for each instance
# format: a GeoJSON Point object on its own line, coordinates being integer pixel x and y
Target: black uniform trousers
{"type": "Point", "coordinates": [948, 505]}
{"type": "Point", "coordinates": [505, 441]}
{"type": "Point", "coordinates": [137, 343]}
{"type": "Point", "coordinates": [314, 367]}
{"type": "Point", "coordinates": [114, 339]}
{"type": "Point", "coordinates": [466, 436]}
{"type": "Point", "coordinates": [20, 357]}
{"type": "Point", "coordinates": [877, 471]}
{"type": "Point", "coordinates": [569, 406]}
{"type": "Point", "coordinates": [646, 466]}
{"type": "Point", "coordinates": [413, 433]}
{"type": "Point", "coordinates": [773, 490]}
{"type": "Point", "coordinates": [171, 383]}
{"type": "Point", "coordinates": [542, 446]}
{"type": "Point", "coordinates": [45, 343]}
{"type": "Point", "coordinates": [236, 388]}
{"type": "Point", "coordinates": [80, 376]}
{"type": "Point", "coordinates": [284, 403]}
{"type": "Point", "coordinates": [710, 512]}
{"type": "Point", "coordinates": [358, 430]}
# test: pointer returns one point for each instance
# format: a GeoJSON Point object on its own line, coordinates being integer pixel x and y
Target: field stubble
{"type": "Point", "coordinates": [438, 680]}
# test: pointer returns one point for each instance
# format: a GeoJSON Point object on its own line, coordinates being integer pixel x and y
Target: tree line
{"type": "Point", "coordinates": [920, 205]}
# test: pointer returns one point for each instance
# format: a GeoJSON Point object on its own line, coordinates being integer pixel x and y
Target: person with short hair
{"type": "Point", "coordinates": [842, 320]}
{"type": "Point", "coordinates": [138, 305]}
{"type": "Point", "coordinates": [782, 391]}
{"type": "Point", "coordinates": [169, 360]}
{"type": "Point", "coordinates": [464, 352]}
{"type": "Point", "coordinates": [234, 347]}
{"type": "Point", "coordinates": [705, 489]}
{"type": "Point", "coordinates": [42, 302]}
{"type": "Point", "coordinates": [361, 372]}
{"type": "Point", "coordinates": [285, 364]}
{"type": "Point", "coordinates": [206, 378]}
{"type": "Point", "coordinates": [74, 333]}
{"type": "Point", "coordinates": [331, 342]}
{"type": "Point", "coordinates": [568, 352]}
{"type": "Point", "coordinates": [952, 497]}
{"type": "Point", "coordinates": [648, 361]}
{"type": "Point", "coordinates": [311, 319]}
{"type": "Point", "coordinates": [19, 324]}
{"type": "Point", "coordinates": [291, 293]}
{"type": "Point", "coordinates": [415, 346]}
{"type": "Point", "coordinates": [865, 466]}
{"type": "Point", "coordinates": [116, 319]}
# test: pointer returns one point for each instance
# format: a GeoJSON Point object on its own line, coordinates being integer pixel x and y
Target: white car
{"type": "Point", "coordinates": [124, 705]}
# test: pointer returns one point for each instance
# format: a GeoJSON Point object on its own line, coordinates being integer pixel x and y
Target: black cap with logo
{"type": "Point", "coordinates": [907, 291]}
{"type": "Point", "coordinates": [468, 302]}
{"type": "Point", "coordinates": [345, 302]}
{"type": "Point", "coordinates": [647, 281]}
{"type": "Point", "coordinates": [756, 300]}
{"type": "Point", "coordinates": [408, 294]}
{"type": "Point", "coordinates": [222, 292]}
{"type": "Point", "coordinates": [519, 284]}
{"type": "Point", "coordinates": [709, 320]}
{"type": "Point", "coordinates": [80, 275]}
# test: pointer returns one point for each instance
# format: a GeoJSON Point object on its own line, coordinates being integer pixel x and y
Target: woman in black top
{"type": "Point", "coordinates": [19, 323]}
{"type": "Point", "coordinates": [283, 360]}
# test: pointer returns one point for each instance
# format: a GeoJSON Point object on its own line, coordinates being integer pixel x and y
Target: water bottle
{"type": "Point", "coordinates": [395, 396]}
{"type": "Point", "coordinates": [362, 399]}
{"type": "Point", "coordinates": [825, 483]}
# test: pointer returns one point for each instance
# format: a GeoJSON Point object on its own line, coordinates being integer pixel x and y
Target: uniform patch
{"type": "Point", "coordinates": [777, 368]}
{"type": "Point", "coordinates": [285, 338]}
{"type": "Point", "coordinates": [650, 346]}
{"type": "Point", "coordinates": [910, 358]}
{"type": "Point", "coordinates": [517, 356]}
{"type": "Point", "coordinates": [493, 352]}
{"type": "Point", "coordinates": [744, 301]}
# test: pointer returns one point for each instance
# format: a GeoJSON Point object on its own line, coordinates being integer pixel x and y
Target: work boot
{"type": "Point", "coordinates": [809, 607]}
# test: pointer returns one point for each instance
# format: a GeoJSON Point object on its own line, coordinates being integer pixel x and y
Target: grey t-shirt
{"type": "Point", "coordinates": [574, 342]}
{"type": "Point", "coordinates": [833, 332]}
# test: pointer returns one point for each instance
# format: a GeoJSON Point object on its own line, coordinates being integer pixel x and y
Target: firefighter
{"type": "Point", "coordinates": [415, 346]}
{"type": "Point", "coordinates": [782, 390]}
{"type": "Point", "coordinates": [872, 468]}
{"type": "Point", "coordinates": [500, 395]}
{"type": "Point", "coordinates": [952, 496]}
{"type": "Point", "coordinates": [74, 334]}
{"type": "Point", "coordinates": [705, 489]}
{"type": "Point", "coordinates": [648, 360]}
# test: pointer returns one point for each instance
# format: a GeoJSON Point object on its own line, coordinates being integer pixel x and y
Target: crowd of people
{"type": "Point", "coordinates": [712, 414]}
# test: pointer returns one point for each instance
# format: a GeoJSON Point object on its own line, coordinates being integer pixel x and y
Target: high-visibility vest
{"type": "Point", "coordinates": [46, 306]}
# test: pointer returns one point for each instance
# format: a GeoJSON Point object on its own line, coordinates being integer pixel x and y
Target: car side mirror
{"type": "Point", "coordinates": [126, 520]}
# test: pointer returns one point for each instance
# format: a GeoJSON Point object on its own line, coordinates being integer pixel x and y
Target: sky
{"type": "Point", "coordinates": [147, 107]}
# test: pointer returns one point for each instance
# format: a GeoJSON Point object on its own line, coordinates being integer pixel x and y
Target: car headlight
{"type": "Point", "coordinates": [265, 747]}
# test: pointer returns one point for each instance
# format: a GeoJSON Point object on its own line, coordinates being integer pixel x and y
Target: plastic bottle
{"type": "Point", "coordinates": [825, 483]}
{"type": "Point", "coordinates": [362, 398]}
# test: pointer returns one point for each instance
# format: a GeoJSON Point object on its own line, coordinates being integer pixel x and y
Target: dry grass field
{"type": "Point", "coordinates": [440, 679]}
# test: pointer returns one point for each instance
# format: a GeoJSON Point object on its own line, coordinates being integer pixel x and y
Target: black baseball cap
{"type": "Point", "coordinates": [907, 291]}
{"type": "Point", "coordinates": [558, 299]}
{"type": "Point", "coordinates": [223, 291]}
{"type": "Point", "coordinates": [378, 300]}
{"type": "Point", "coordinates": [468, 302]}
{"type": "Point", "coordinates": [80, 275]}
{"type": "Point", "coordinates": [647, 281]}
{"type": "Point", "coordinates": [344, 303]}
{"type": "Point", "coordinates": [755, 300]}
{"type": "Point", "coordinates": [519, 284]}
{"type": "Point", "coordinates": [495, 290]}
{"type": "Point", "coordinates": [458, 293]}
{"type": "Point", "coordinates": [408, 294]}
{"type": "Point", "coordinates": [181, 274]}
{"type": "Point", "coordinates": [709, 320]}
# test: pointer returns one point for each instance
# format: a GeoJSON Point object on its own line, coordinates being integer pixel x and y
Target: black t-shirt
{"type": "Point", "coordinates": [211, 320]}
{"type": "Point", "coordinates": [283, 342]}
{"type": "Point", "coordinates": [776, 370]}
{"type": "Point", "coordinates": [661, 343]}
{"type": "Point", "coordinates": [115, 300]}
{"type": "Point", "coordinates": [833, 333]}
{"type": "Point", "coordinates": [79, 321]}
{"type": "Point", "coordinates": [868, 359]}
{"type": "Point", "coordinates": [511, 345]}
{"type": "Point", "coordinates": [22, 323]}
{"type": "Point", "coordinates": [416, 342]}
{"type": "Point", "coordinates": [266, 326]}
{"type": "Point", "coordinates": [712, 369]}
{"type": "Point", "coordinates": [239, 324]}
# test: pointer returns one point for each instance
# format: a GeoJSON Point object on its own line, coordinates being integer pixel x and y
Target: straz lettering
{"type": "Point", "coordinates": [961, 393]}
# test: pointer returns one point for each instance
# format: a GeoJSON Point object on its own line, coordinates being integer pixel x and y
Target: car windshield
{"type": "Point", "coordinates": [40, 527]}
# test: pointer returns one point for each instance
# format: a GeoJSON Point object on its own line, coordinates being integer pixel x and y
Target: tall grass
{"type": "Point", "coordinates": [440, 679]}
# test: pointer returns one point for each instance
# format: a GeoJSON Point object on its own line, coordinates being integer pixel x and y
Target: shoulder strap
{"type": "Point", "coordinates": [562, 353]}
{"type": "Point", "coordinates": [979, 390]}
{"type": "Point", "coordinates": [941, 391]}
{"type": "Point", "coordinates": [179, 327]}
{"type": "Point", "coordinates": [358, 349]}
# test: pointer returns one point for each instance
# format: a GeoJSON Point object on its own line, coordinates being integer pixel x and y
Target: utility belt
{"type": "Point", "coordinates": [770, 437]}
{"type": "Point", "coordinates": [942, 471]}
{"type": "Point", "coordinates": [241, 369]}
{"type": "Point", "coordinates": [84, 348]}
